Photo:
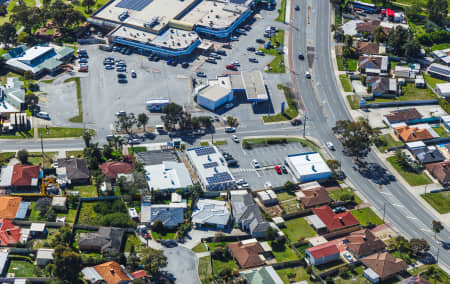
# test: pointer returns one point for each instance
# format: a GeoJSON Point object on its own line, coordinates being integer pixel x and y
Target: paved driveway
{"type": "Point", "coordinates": [182, 263]}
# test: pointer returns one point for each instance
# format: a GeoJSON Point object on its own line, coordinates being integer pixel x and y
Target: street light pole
{"type": "Point", "coordinates": [426, 189]}
{"type": "Point", "coordinates": [384, 210]}
{"type": "Point", "coordinates": [304, 125]}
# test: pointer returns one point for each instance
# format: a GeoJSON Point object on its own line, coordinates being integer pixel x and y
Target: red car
{"type": "Point", "coordinates": [231, 67]}
{"type": "Point", "coordinates": [278, 169]}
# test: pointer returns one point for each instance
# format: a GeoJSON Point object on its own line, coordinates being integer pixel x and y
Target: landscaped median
{"type": "Point", "coordinates": [277, 64]}
{"type": "Point", "coordinates": [250, 142]}
{"type": "Point", "coordinates": [290, 112]}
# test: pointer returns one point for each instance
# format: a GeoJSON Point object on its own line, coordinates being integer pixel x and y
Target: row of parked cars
{"type": "Point", "coordinates": [110, 63]}
{"type": "Point", "coordinates": [83, 60]}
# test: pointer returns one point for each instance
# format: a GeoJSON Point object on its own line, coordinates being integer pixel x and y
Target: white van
{"type": "Point", "coordinates": [160, 128]}
{"type": "Point", "coordinates": [43, 115]}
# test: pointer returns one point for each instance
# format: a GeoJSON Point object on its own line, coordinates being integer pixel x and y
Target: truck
{"type": "Point", "coordinates": [157, 105]}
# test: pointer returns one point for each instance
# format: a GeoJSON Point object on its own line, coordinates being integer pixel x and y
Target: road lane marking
{"type": "Point", "coordinates": [427, 230]}
{"type": "Point", "coordinates": [386, 193]}
{"type": "Point", "coordinates": [398, 205]}
{"type": "Point", "coordinates": [410, 217]}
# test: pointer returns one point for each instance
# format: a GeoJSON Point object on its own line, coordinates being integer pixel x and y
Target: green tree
{"type": "Point", "coordinates": [397, 38]}
{"type": "Point", "coordinates": [88, 4]}
{"type": "Point", "coordinates": [23, 37]}
{"type": "Point", "coordinates": [28, 75]}
{"type": "Point", "coordinates": [379, 35]}
{"type": "Point", "coordinates": [419, 246]}
{"type": "Point", "coordinates": [412, 48]}
{"type": "Point", "coordinates": [43, 205]}
{"type": "Point", "coordinates": [8, 34]}
{"type": "Point", "coordinates": [158, 226]}
{"type": "Point", "coordinates": [87, 138]}
{"type": "Point", "coordinates": [152, 260]}
{"type": "Point", "coordinates": [437, 10]}
{"type": "Point", "coordinates": [63, 237]}
{"type": "Point", "coordinates": [22, 156]}
{"type": "Point", "coordinates": [290, 187]}
{"type": "Point", "coordinates": [437, 227]}
{"type": "Point", "coordinates": [413, 12]}
{"type": "Point", "coordinates": [93, 155]}
{"type": "Point", "coordinates": [172, 114]}
{"type": "Point", "coordinates": [132, 260]}
{"type": "Point", "coordinates": [126, 123]}
{"type": "Point", "coordinates": [142, 120]}
{"type": "Point", "coordinates": [271, 234]}
{"type": "Point", "coordinates": [28, 17]}
{"type": "Point", "coordinates": [66, 265]}
{"type": "Point", "coordinates": [3, 10]}
{"type": "Point", "coordinates": [232, 121]}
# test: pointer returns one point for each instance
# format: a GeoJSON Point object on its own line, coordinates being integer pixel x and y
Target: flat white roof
{"type": "Point", "coordinates": [168, 175]}
{"type": "Point", "coordinates": [45, 253]}
{"type": "Point", "coordinates": [37, 227]}
{"type": "Point", "coordinates": [210, 165]}
{"type": "Point", "coordinates": [254, 85]}
{"type": "Point", "coordinates": [34, 52]}
{"type": "Point", "coordinates": [214, 92]}
{"type": "Point", "coordinates": [443, 87]}
{"type": "Point", "coordinates": [308, 163]}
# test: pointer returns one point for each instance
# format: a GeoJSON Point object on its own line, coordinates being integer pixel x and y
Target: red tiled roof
{"type": "Point", "coordinates": [111, 272]}
{"type": "Point", "coordinates": [112, 169]}
{"type": "Point", "coordinates": [323, 250]}
{"type": "Point", "coordinates": [9, 234]}
{"type": "Point", "coordinates": [23, 174]}
{"type": "Point", "coordinates": [410, 134]}
{"type": "Point", "coordinates": [335, 221]}
{"type": "Point", "coordinates": [315, 197]}
{"type": "Point", "coordinates": [247, 255]}
{"type": "Point", "coordinates": [138, 274]}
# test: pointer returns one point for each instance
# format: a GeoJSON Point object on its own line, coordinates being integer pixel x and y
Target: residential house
{"type": "Point", "coordinates": [248, 253]}
{"type": "Point", "coordinates": [59, 203]}
{"type": "Point", "coordinates": [402, 115]}
{"type": "Point", "coordinates": [331, 222]}
{"type": "Point", "coordinates": [109, 272]}
{"type": "Point", "coordinates": [313, 197]}
{"type": "Point", "coordinates": [263, 275]}
{"type": "Point", "coordinates": [168, 175]}
{"type": "Point", "coordinates": [38, 230]}
{"type": "Point", "coordinates": [322, 254]}
{"type": "Point", "coordinates": [267, 197]}
{"type": "Point", "coordinates": [10, 234]}
{"type": "Point", "coordinates": [382, 86]}
{"type": "Point", "coordinates": [106, 239]}
{"type": "Point", "coordinates": [439, 71]}
{"type": "Point", "coordinates": [440, 171]}
{"type": "Point", "coordinates": [368, 48]}
{"type": "Point", "coordinates": [402, 71]}
{"type": "Point", "coordinates": [363, 242]}
{"type": "Point", "coordinates": [12, 99]}
{"type": "Point", "coordinates": [44, 256]}
{"type": "Point", "coordinates": [368, 26]}
{"type": "Point", "coordinates": [428, 155]}
{"type": "Point", "coordinates": [9, 206]}
{"type": "Point", "coordinates": [73, 171]}
{"type": "Point", "coordinates": [308, 167]}
{"type": "Point", "coordinates": [210, 212]}
{"type": "Point", "coordinates": [415, 279]}
{"type": "Point", "coordinates": [171, 215]}
{"type": "Point", "coordinates": [113, 168]}
{"type": "Point", "coordinates": [373, 64]}
{"type": "Point", "coordinates": [20, 178]}
{"type": "Point", "coordinates": [410, 134]}
{"type": "Point", "coordinates": [246, 214]}
{"type": "Point", "coordinates": [443, 90]}
{"type": "Point", "coordinates": [382, 266]}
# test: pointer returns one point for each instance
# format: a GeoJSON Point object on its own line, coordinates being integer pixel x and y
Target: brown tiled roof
{"type": "Point", "coordinates": [315, 197]}
{"type": "Point", "coordinates": [415, 279]}
{"type": "Point", "coordinates": [403, 115]}
{"type": "Point", "coordinates": [247, 255]}
{"type": "Point", "coordinates": [370, 61]}
{"type": "Point", "coordinates": [112, 169]}
{"type": "Point", "coordinates": [364, 242]}
{"type": "Point", "coordinates": [369, 26]}
{"type": "Point", "coordinates": [9, 206]}
{"type": "Point", "coordinates": [384, 264]}
{"type": "Point", "coordinates": [369, 48]}
{"type": "Point", "coordinates": [23, 175]}
{"type": "Point", "coordinates": [111, 272]}
{"type": "Point", "coordinates": [441, 171]}
{"type": "Point", "coordinates": [410, 134]}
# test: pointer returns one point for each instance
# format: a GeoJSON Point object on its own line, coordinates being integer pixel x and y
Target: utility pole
{"type": "Point", "coordinates": [426, 189]}
{"type": "Point", "coordinates": [42, 150]}
{"type": "Point", "coordinates": [304, 124]}
{"type": "Point", "coordinates": [437, 256]}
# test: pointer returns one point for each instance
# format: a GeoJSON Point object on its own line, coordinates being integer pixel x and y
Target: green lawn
{"type": "Point", "coordinates": [355, 276]}
{"type": "Point", "coordinates": [132, 239]}
{"type": "Point", "coordinates": [299, 272]}
{"type": "Point", "coordinates": [412, 178]}
{"type": "Point", "coordinates": [346, 64]}
{"type": "Point", "coordinates": [411, 93]}
{"type": "Point", "coordinates": [345, 83]}
{"type": "Point", "coordinates": [204, 269]}
{"type": "Point", "coordinates": [337, 193]}
{"type": "Point", "coordinates": [280, 140]}
{"type": "Point", "coordinates": [204, 143]}
{"type": "Point", "coordinates": [439, 275]}
{"type": "Point", "coordinates": [432, 81]}
{"type": "Point", "coordinates": [439, 201]}
{"type": "Point", "coordinates": [75, 153]}
{"type": "Point", "coordinates": [88, 216]}
{"type": "Point", "coordinates": [440, 46]}
{"type": "Point", "coordinates": [284, 254]}
{"type": "Point", "coordinates": [63, 132]}
{"type": "Point", "coordinates": [282, 12]}
{"type": "Point", "coordinates": [390, 142]}
{"type": "Point", "coordinates": [34, 213]}
{"type": "Point", "coordinates": [199, 248]}
{"type": "Point", "coordinates": [132, 150]}
{"type": "Point", "coordinates": [290, 111]}
{"type": "Point", "coordinates": [164, 236]}
{"type": "Point", "coordinates": [35, 158]}
{"type": "Point", "coordinates": [440, 131]}
{"type": "Point", "coordinates": [219, 265]}
{"type": "Point", "coordinates": [70, 215]}
{"type": "Point", "coordinates": [366, 216]}
{"type": "Point", "coordinates": [212, 246]}
{"type": "Point", "coordinates": [282, 196]}
{"type": "Point", "coordinates": [220, 142]}
{"type": "Point", "coordinates": [21, 268]}
{"type": "Point", "coordinates": [291, 206]}
{"type": "Point", "coordinates": [79, 117]}
{"type": "Point", "coordinates": [86, 190]}
{"type": "Point", "coordinates": [19, 135]}
{"type": "Point", "coordinates": [277, 64]}
{"type": "Point", "coordinates": [353, 101]}
{"type": "Point", "coordinates": [298, 227]}
{"type": "Point", "coordinates": [5, 157]}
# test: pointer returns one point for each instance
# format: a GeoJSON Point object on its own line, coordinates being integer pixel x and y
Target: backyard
{"type": "Point", "coordinates": [86, 190]}
{"type": "Point", "coordinates": [282, 196]}
{"type": "Point", "coordinates": [21, 268]}
{"type": "Point", "coordinates": [132, 240]}
{"type": "Point", "coordinates": [411, 93]}
{"type": "Point", "coordinates": [366, 216]}
{"type": "Point", "coordinates": [284, 253]}
{"type": "Point", "coordinates": [439, 201]}
{"type": "Point", "coordinates": [290, 206]}
{"type": "Point", "coordinates": [70, 215]}
{"type": "Point", "coordinates": [441, 131]}
{"type": "Point", "coordinates": [298, 227]}
{"type": "Point", "coordinates": [88, 216]}
{"type": "Point", "coordinates": [432, 81]}
{"type": "Point", "coordinates": [220, 264]}
{"type": "Point", "coordinates": [414, 179]}
{"type": "Point", "coordinates": [298, 273]}
{"type": "Point", "coordinates": [167, 235]}
{"type": "Point", "coordinates": [354, 276]}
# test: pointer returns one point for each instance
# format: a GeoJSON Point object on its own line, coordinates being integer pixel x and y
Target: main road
{"type": "Point", "coordinates": [324, 105]}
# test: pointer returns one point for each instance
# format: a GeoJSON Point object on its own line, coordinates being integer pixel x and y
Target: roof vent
{"type": "Point", "coordinates": [342, 221]}
{"type": "Point", "coordinates": [111, 270]}
{"type": "Point", "coordinates": [307, 158]}
{"type": "Point", "coordinates": [313, 168]}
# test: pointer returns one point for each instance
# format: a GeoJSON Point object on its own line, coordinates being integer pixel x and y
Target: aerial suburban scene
{"type": "Point", "coordinates": [225, 141]}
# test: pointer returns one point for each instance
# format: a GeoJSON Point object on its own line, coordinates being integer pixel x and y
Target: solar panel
{"type": "Point", "coordinates": [136, 5]}
{"type": "Point", "coordinates": [205, 151]}
{"type": "Point", "coordinates": [219, 177]}
{"type": "Point", "coordinates": [210, 165]}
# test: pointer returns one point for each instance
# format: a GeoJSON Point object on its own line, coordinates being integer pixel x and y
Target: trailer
{"type": "Point", "coordinates": [157, 105]}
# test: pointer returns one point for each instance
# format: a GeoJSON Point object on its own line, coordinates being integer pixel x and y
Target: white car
{"type": "Point", "coordinates": [307, 75]}
{"type": "Point", "coordinates": [236, 63]}
{"type": "Point", "coordinates": [268, 185]}
{"type": "Point", "coordinates": [235, 138]}
{"type": "Point", "coordinates": [256, 164]}
{"type": "Point", "coordinates": [330, 146]}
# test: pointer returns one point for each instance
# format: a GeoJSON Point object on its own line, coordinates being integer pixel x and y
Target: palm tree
{"type": "Point", "coordinates": [437, 227]}
{"type": "Point", "coordinates": [333, 28]}
{"type": "Point", "coordinates": [118, 142]}
{"type": "Point", "coordinates": [142, 120]}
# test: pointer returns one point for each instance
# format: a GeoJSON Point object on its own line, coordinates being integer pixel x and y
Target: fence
{"type": "Point", "coordinates": [400, 104]}
{"type": "Point", "coordinates": [226, 238]}
{"type": "Point", "coordinates": [289, 264]}
{"type": "Point", "coordinates": [340, 233]}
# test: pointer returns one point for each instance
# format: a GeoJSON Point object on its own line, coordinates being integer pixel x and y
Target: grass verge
{"type": "Point", "coordinates": [353, 101]}
{"type": "Point", "coordinates": [204, 269]}
{"type": "Point", "coordinates": [281, 12]}
{"type": "Point", "coordinates": [277, 64]}
{"type": "Point", "coordinates": [387, 142]}
{"type": "Point", "coordinates": [289, 113]}
{"type": "Point", "coordinates": [439, 201]}
{"type": "Point", "coordinates": [345, 83]}
{"type": "Point", "coordinates": [413, 179]}
{"type": "Point", "coordinates": [63, 132]}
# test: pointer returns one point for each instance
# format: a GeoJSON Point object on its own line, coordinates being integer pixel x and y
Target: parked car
{"type": "Point", "coordinates": [268, 185]}
{"type": "Point", "coordinates": [296, 121]}
{"type": "Point", "coordinates": [121, 113]}
{"type": "Point", "coordinates": [83, 69]}
{"type": "Point", "coordinates": [121, 69]}
{"type": "Point", "coordinates": [134, 141]}
{"type": "Point", "coordinates": [278, 169]}
{"type": "Point", "coordinates": [231, 67]}
{"type": "Point", "coordinates": [307, 75]}
{"type": "Point", "coordinates": [253, 60]}
{"type": "Point", "coordinates": [211, 60]}
{"type": "Point", "coordinates": [83, 55]}
{"type": "Point", "coordinates": [256, 164]}
{"type": "Point", "coordinates": [235, 138]}
{"type": "Point", "coordinates": [201, 74]}
{"type": "Point", "coordinates": [301, 56]}
{"type": "Point", "coordinates": [109, 67]}
{"type": "Point", "coordinates": [236, 63]}
{"type": "Point", "coordinates": [251, 48]}
{"type": "Point", "coordinates": [297, 8]}
{"type": "Point", "coordinates": [284, 169]}
{"type": "Point", "coordinates": [232, 163]}
{"type": "Point", "coordinates": [185, 65]}
{"type": "Point", "coordinates": [330, 146]}
{"type": "Point", "coordinates": [123, 81]}
{"type": "Point", "coordinates": [260, 53]}
{"type": "Point", "coordinates": [234, 38]}
{"type": "Point", "coordinates": [221, 52]}
{"type": "Point", "coordinates": [83, 60]}
{"type": "Point", "coordinates": [215, 55]}
{"type": "Point", "coordinates": [43, 115]}
{"type": "Point", "coordinates": [260, 40]}
{"type": "Point", "coordinates": [121, 76]}
{"type": "Point", "coordinates": [133, 74]}
{"type": "Point", "coordinates": [230, 129]}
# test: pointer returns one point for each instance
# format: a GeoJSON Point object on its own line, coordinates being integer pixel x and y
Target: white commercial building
{"type": "Point", "coordinates": [308, 166]}
{"type": "Point", "coordinates": [443, 90]}
{"type": "Point", "coordinates": [168, 175]}
{"type": "Point", "coordinates": [211, 168]}
{"type": "Point", "coordinates": [216, 93]}
{"type": "Point", "coordinates": [211, 212]}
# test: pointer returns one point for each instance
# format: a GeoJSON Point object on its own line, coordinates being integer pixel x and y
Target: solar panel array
{"type": "Point", "coordinates": [136, 5]}
{"type": "Point", "coordinates": [210, 165]}
{"type": "Point", "coordinates": [205, 151]}
{"type": "Point", "coordinates": [437, 69]}
{"type": "Point", "coordinates": [219, 178]}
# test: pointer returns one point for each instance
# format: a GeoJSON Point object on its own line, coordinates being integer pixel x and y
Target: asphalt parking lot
{"type": "Point", "coordinates": [268, 157]}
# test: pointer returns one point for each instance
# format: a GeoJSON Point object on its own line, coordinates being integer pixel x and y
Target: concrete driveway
{"type": "Point", "coordinates": [182, 263]}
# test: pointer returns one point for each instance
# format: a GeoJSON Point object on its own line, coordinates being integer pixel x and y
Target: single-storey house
{"type": "Point", "coordinates": [334, 222]}
{"type": "Point", "coordinates": [368, 48]}
{"type": "Point", "coordinates": [263, 275]}
{"type": "Point", "coordinates": [171, 215]}
{"type": "Point", "coordinates": [363, 242]}
{"type": "Point", "coordinates": [10, 234]}
{"type": "Point", "coordinates": [109, 272]}
{"type": "Point", "coordinates": [402, 115]}
{"type": "Point", "coordinates": [382, 86]}
{"type": "Point", "coordinates": [106, 239]}
{"type": "Point", "coordinates": [248, 253]}
{"type": "Point", "coordinates": [313, 197]}
{"type": "Point", "coordinates": [428, 155]}
{"type": "Point", "coordinates": [38, 230]}
{"type": "Point", "coordinates": [44, 256]}
{"type": "Point", "coordinates": [210, 212]}
{"type": "Point", "coordinates": [113, 168]}
{"type": "Point", "coordinates": [322, 254]}
{"type": "Point", "coordinates": [73, 171]}
{"type": "Point", "coordinates": [382, 266]}
{"type": "Point", "coordinates": [22, 178]}
{"type": "Point", "coordinates": [440, 171]}
{"type": "Point", "coordinates": [415, 279]}
{"type": "Point", "coordinates": [373, 65]}
{"type": "Point", "coordinates": [410, 134]}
